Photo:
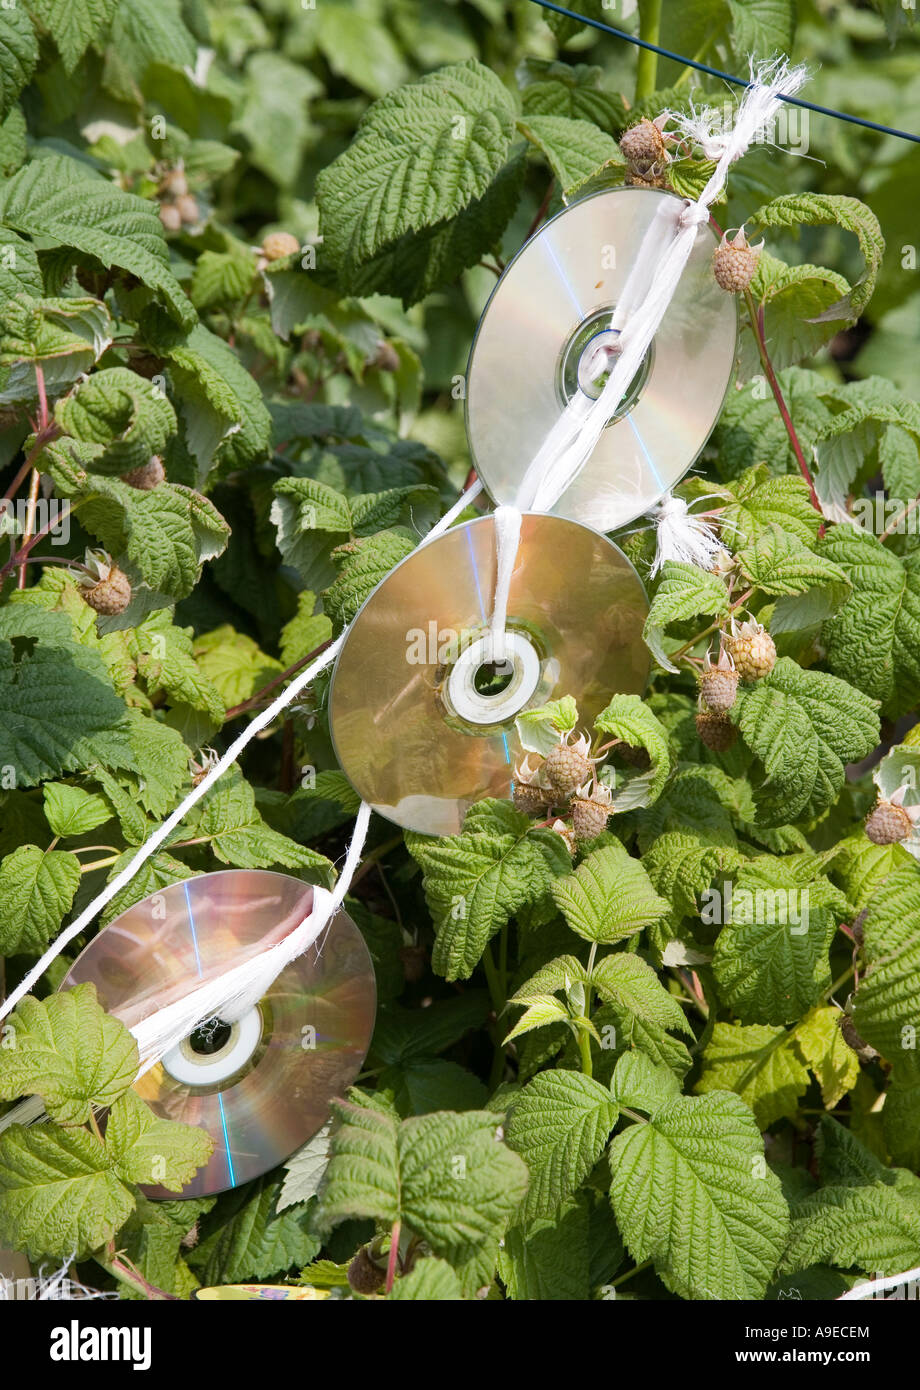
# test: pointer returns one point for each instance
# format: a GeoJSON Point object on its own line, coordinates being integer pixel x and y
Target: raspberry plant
{"type": "Point", "coordinates": [651, 1029]}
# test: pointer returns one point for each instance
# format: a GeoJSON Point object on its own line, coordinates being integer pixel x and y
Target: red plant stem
{"type": "Point", "coordinates": [23, 552]}
{"type": "Point", "coordinates": [780, 401]}
{"type": "Point", "coordinates": [541, 210]}
{"type": "Point", "coordinates": [394, 1255]}
{"type": "Point", "coordinates": [253, 700]}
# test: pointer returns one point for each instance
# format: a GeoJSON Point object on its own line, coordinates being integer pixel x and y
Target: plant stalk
{"type": "Point", "coordinates": [647, 65]}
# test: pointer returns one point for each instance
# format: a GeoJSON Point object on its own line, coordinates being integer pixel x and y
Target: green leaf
{"type": "Point", "coordinates": [559, 1125]}
{"type": "Point", "coordinates": [476, 880]}
{"type": "Point", "coordinates": [18, 56]}
{"type": "Point", "coordinates": [362, 564]}
{"type": "Point", "coordinates": [238, 835]}
{"type": "Point", "coordinates": [629, 718]}
{"type": "Point", "coordinates": [642, 1084]}
{"type": "Point", "coordinates": [274, 117]}
{"type": "Point", "coordinates": [886, 1011]}
{"type": "Point", "coordinates": [823, 209]}
{"type": "Point", "coordinates": [625, 980]}
{"type": "Point", "coordinates": [541, 1010]}
{"type": "Point", "coordinates": [793, 297]}
{"type": "Point", "coordinates": [304, 1170]}
{"type": "Point", "coordinates": [874, 640]}
{"type": "Point", "coordinates": [70, 1052]}
{"type": "Point", "coordinates": [608, 897]}
{"type": "Point", "coordinates": [684, 592]}
{"type": "Point", "coordinates": [73, 27]}
{"type": "Point", "coordinates": [764, 500]}
{"type": "Point", "coordinates": [431, 1280]}
{"type": "Point", "coordinates": [691, 1191]}
{"type": "Point", "coordinates": [548, 1258]}
{"type": "Point", "coordinates": [59, 198]}
{"type": "Point", "coordinates": [803, 726]}
{"type": "Point", "coordinates": [359, 47]}
{"type": "Point", "coordinates": [539, 729]}
{"type": "Point", "coordinates": [861, 868]}
{"type": "Point", "coordinates": [779, 563]}
{"type": "Point", "coordinates": [64, 337]}
{"type": "Point", "coordinates": [58, 1194]}
{"type": "Point", "coordinates": [72, 811]}
{"type": "Point", "coordinates": [420, 155]}
{"type": "Point", "coordinates": [771, 958]}
{"type": "Point", "coordinates": [305, 631]}
{"type": "Point", "coordinates": [227, 422]}
{"type": "Point", "coordinates": [560, 89]}
{"type": "Point", "coordinates": [825, 1049]}
{"type": "Point", "coordinates": [443, 1175]}
{"type": "Point", "coordinates": [37, 889]}
{"type": "Point", "coordinates": [245, 1237]}
{"type": "Point", "coordinates": [575, 150]}
{"type": "Point", "coordinates": [762, 1065]}
{"type": "Point", "coordinates": [144, 1149]}
{"type": "Point", "coordinates": [866, 1216]}
{"type": "Point", "coordinates": [120, 410]}
{"type": "Point", "coordinates": [19, 270]}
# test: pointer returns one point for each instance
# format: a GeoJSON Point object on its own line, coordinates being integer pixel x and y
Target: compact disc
{"type": "Point", "coordinates": [550, 312]}
{"type": "Point", "coordinates": [422, 724]}
{"type": "Point", "coordinates": [261, 1087]}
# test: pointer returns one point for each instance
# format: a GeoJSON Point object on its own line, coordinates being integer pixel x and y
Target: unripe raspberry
{"type": "Point", "coordinates": [718, 688]}
{"type": "Point", "coordinates": [188, 210]}
{"type": "Point", "coordinates": [148, 476]}
{"type": "Point", "coordinates": [175, 183]}
{"type": "Point", "coordinates": [643, 146]}
{"type": "Point", "coordinates": [171, 217]}
{"type": "Point", "coordinates": [635, 757]}
{"type": "Point", "coordinates": [734, 263]}
{"type": "Point", "coordinates": [277, 245]}
{"type": "Point", "coordinates": [752, 649]}
{"type": "Point", "coordinates": [566, 767]}
{"type": "Point", "coordinates": [590, 815]}
{"type": "Point", "coordinates": [363, 1275]}
{"type": "Point", "coordinates": [529, 799]}
{"type": "Point", "coordinates": [649, 180]}
{"type": "Point", "coordinates": [109, 595]}
{"type": "Point", "coordinates": [716, 730]}
{"type": "Point", "coordinates": [386, 358]}
{"type": "Point", "coordinates": [888, 824]}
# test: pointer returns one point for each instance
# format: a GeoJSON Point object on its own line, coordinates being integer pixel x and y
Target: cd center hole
{"type": "Point", "coordinates": [209, 1037]}
{"type": "Point", "coordinates": [492, 678]}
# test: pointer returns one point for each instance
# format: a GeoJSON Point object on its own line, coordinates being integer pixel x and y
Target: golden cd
{"type": "Point", "coordinates": [261, 1087]}
{"type": "Point", "coordinates": [537, 342]}
{"type": "Point", "coordinates": [423, 723]}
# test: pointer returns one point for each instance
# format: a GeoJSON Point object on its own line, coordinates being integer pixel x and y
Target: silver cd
{"type": "Point", "coordinates": [548, 314]}
{"type": "Point", "coordinates": [423, 724]}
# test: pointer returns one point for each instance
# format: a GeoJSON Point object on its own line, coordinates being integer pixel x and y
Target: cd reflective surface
{"type": "Point", "coordinates": [548, 313]}
{"type": "Point", "coordinates": [424, 727]}
{"type": "Point", "coordinates": [262, 1087]}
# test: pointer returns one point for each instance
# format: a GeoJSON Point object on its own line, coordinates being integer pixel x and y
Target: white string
{"type": "Point", "coordinates": [162, 833]}
{"type": "Point", "coordinates": [874, 1286]}
{"type": "Point", "coordinates": [646, 296]}
{"type": "Point", "coordinates": [507, 539]}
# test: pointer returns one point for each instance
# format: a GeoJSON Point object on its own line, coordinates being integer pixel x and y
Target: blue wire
{"type": "Point", "coordinates": [725, 76]}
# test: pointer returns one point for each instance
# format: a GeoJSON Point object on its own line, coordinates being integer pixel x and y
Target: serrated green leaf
{"type": "Point", "coordinates": [642, 1084]}
{"type": "Point", "coordinates": [68, 1051]}
{"type": "Point", "coordinates": [874, 640]}
{"type": "Point", "coordinates": [559, 1125]}
{"type": "Point", "coordinates": [691, 1191]}
{"type": "Point", "coordinates": [865, 1216]}
{"type": "Point", "coordinates": [304, 632]}
{"type": "Point", "coordinates": [71, 810]}
{"type": "Point", "coordinates": [443, 1174]}
{"type": "Point", "coordinates": [778, 563]}
{"type": "Point", "coordinates": [760, 1064]}
{"type": "Point", "coordinates": [548, 1257]}
{"type": "Point", "coordinates": [575, 150]}
{"type": "Point", "coordinates": [227, 422]}
{"type": "Point", "coordinates": [684, 592]}
{"type": "Point", "coordinates": [629, 718]}
{"type": "Point", "coordinates": [824, 1048]}
{"type": "Point", "coordinates": [144, 1149]}
{"type": "Point", "coordinates": [764, 500]}
{"type": "Point", "coordinates": [73, 27]}
{"type": "Point", "coordinates": [362, 563]}
{"type": "Point", "coordinates": [421, 154]}
{"type": "Point", "coordinates": [541, 1010]}
{"type": "Point", "coordinates": [430, 1279]}
{"type": "Point", "coordinates": [58, 197]}
{"type": "Point", "coordinates": [115, 407]}
{"type": "Point", "coordinates": [821, 209]}
{"type": "Point", "coordinates": [247, 1238]}
{"type": "Point", "coordinates": [37, 889]}
{"type": "Point", "coordinates": [625, 980]}
{"type": "Point", "coordinates": [228, 819]}
{"type": "Point", "coordinates": [608, 897]}
{"type": "Point", "coordinates": [886, 1010]}
{"type": "Point", "coordinates": [476, 880]}
{"type": "Point", "coordinates": [18, 56]}
{"type": "Point", "coordinates": [792, 297]}
{"type": "Point", "coordinates": [58, 1194]}
{"type": "Point", "coordinates": [803, 726]}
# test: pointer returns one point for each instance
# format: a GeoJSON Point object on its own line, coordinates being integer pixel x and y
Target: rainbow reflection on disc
{"type": "Point", "coordinates": [261, 1087]}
